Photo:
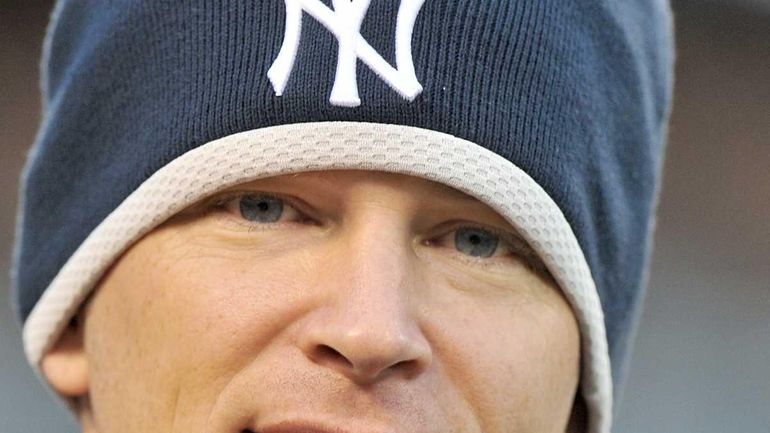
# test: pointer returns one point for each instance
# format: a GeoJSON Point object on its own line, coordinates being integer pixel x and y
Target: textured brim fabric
{"type": "Point", "coordinates": [303, 147]}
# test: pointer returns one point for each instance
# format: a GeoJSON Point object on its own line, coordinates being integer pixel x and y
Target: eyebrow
{"type": "Point", "coordinates": [452, 193]}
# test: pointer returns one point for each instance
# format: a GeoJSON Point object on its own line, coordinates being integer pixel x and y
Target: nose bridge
{"type": "Point", "coordinates": [377, 260]}
{"type": "Point", "coordinates": [368, 325]}
{"type": "Point", "coordinates": [377, 293]}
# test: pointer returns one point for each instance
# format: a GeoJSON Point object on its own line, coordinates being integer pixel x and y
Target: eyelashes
{"type": "Point", "coordinates": [260, 211]}
{"type": "Point", "coordinates": [255, 211]}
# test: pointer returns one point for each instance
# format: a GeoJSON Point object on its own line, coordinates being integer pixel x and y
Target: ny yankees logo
{"type": "Point", "coordinates": [344, 22]}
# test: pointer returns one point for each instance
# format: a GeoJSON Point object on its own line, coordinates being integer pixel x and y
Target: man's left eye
{"type": "Point", "coordinates": [476, 242]}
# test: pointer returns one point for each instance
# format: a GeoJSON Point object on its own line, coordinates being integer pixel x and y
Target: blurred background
{"type": "Point", "coordinates": [701, 361]}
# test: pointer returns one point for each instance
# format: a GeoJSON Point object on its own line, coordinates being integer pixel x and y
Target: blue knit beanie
{"type": "Point", "coordinates": [553, 113]}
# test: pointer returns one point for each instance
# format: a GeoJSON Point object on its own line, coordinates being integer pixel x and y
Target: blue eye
{"type": "Point", "coordinates": [476, 242]}
{"type": "Point", "coordinates": [261, 208]}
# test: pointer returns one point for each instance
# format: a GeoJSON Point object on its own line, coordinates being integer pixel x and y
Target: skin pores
{"type": "Point", "coordinates": [359, 301]}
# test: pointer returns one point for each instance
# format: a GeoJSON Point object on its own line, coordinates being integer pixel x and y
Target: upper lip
{"type": "Point", "coordinates": [309, 427]}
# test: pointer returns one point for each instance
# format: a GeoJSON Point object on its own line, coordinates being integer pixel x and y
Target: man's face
{"type": "Point", "coordinates": [354, 301]}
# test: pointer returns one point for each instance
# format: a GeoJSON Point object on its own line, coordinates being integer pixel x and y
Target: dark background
{"type": "Point", "coordinates": [701, 361]}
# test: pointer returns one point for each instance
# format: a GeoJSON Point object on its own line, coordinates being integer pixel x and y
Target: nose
{"type": "Point", "coordinates": [367, 328]}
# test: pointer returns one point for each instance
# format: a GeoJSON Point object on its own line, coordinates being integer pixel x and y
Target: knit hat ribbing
{"type": "Point", "coordinates": [575, 95]}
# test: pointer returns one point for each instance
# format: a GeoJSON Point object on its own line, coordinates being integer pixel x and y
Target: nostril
{"type": "Point", "coordinates": [410, 367]}
{"type": "Point", "coordinates": [324, 353]}
{"type": "Point", "coordinates": [247, 430]}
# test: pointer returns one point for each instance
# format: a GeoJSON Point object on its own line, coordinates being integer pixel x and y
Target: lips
{"type": "Point", "coordinates": [310, 427]}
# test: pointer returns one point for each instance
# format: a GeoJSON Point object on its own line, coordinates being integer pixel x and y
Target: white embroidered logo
{"type": "Point", "coordinates": [344, 22]}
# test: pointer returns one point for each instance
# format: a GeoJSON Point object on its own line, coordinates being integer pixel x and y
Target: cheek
{"type": "Point", "coordinates": [236, 305]}
{"type": "Point", "coordinates": [514, 357]}
{"type": "Point", "coordinates": [227, 307]}
{"type": "Point", "coordinates": [176, 319]}
{"type": "Point", "coordinates": [171, 319]}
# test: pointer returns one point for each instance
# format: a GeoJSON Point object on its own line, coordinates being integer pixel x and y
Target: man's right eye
{"type": "Point", "coordinates": [261, 208]}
